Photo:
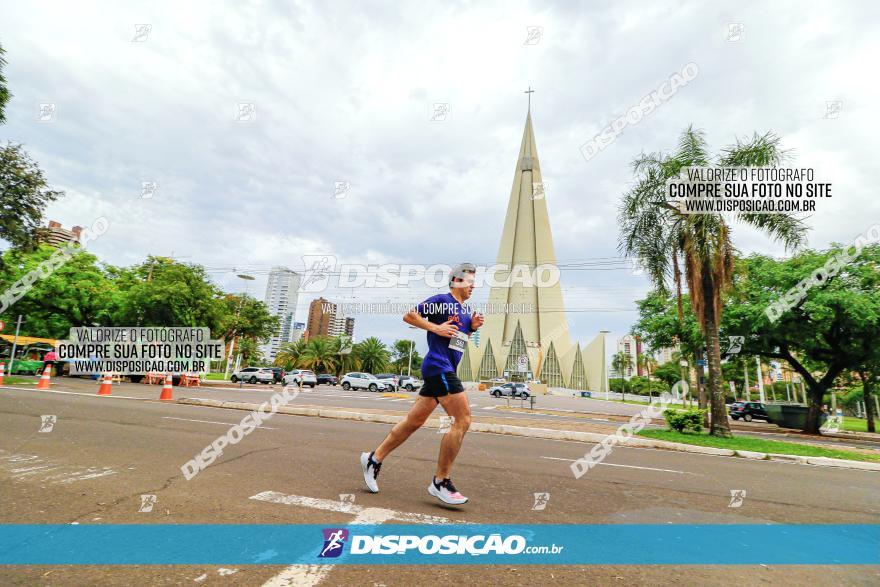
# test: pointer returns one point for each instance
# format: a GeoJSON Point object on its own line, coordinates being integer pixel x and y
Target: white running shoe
{"type": "Point", "coordinates": [371, 471]}
{"type": "Point", "coordinates": [446, 492]}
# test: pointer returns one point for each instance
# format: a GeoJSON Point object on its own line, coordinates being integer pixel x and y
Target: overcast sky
{"type": "Point", "coordinates": [345, 92]}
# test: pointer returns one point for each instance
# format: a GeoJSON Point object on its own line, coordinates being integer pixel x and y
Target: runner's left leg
{"type": "Point", "coordinates": [404, 429]}
{"type": "Point", "coordinates": [457, 406]}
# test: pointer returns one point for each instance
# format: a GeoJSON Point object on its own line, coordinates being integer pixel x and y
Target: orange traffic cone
{"type": "Point", "coordinates": [2, 367]}
{"type": "Point", "coordinates": [44, 380]}
{"type": "Point", "coordinates": [166, 389]}
{"type": "Point", "coordinates": [106, 385]}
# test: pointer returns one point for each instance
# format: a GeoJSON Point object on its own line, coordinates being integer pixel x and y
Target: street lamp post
{"type": "Point", "coordinates": [604, 365]}
{"type": "Point", "coordinates": [760, 380]}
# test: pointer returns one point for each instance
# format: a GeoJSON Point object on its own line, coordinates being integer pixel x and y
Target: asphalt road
{"type": "Point", "coordinates": [548, 408]}
{"type": "Point", "coordinates": [104, 453]}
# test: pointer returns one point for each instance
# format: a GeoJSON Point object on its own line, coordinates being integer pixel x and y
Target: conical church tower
{"type": "Point", "coordinates": [536, 339]}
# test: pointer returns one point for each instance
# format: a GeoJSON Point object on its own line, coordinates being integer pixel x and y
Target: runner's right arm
{"type": "Point", "coordinates": [419, 318]}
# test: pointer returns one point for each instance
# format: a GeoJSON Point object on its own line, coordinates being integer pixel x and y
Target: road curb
{"type": "Point", "coordinates": [543, 433]}
{"type": "Point", "coordinates": [748, 454]}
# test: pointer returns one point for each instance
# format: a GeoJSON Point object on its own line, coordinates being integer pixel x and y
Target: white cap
{"type": "Point", "coordinates": [460, 269]}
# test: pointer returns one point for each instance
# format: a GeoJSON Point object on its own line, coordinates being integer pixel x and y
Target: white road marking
{"type": "Point", "coordinates": [311, 575]}
{"type": "Point", "coordinates": [338, 506]}
{"type": "Point", "coordinates": [616, 465]}
{"type": "Point", "coordinates": [34, 465]}
{"type": "Point", "coordinates": [73, 393]}
{"type": "Point", "coordinates": [30, 469]}
{"type": "Point", "coordinates": [87, 474]}
{"type": "Point", "coordinates": [211, 422]}
{"type": "Point", "coordinates": [488, 407]}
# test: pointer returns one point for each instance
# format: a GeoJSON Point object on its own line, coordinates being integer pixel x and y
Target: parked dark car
{"type": "Point", "coordinates": [326, 378]}
{"type": "Point", "coordinates": [748, 411]}
{"type": "Point", "coordinates": [278, 374]}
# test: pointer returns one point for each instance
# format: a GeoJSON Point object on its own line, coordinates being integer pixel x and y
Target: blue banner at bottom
{"type": "Point", "coordinates": [398, 544]}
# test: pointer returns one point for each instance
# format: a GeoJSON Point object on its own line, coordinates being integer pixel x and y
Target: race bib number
{"type": "Point", "coordinates": [458, 342]}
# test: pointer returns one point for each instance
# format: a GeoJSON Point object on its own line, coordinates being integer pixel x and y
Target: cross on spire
{"type": "Point", "coordinates": [530, 91]}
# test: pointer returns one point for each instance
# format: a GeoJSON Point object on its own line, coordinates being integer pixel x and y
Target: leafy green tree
{"type": "Point", "coordinates": [372, 354]}
{"type": "Point", "coordinates": [400, 356]}
{"type": "Point", "coordinates": [76, 293]}
{"type": "Point", "coordinates": [242, 315]}
{"type": "Point", "coordinates": [163, 292]}
{"type": "Point", "coordinates": [24, 193]}
{"type": "Point", "coordinates": [665, 321]}
{"type": "Point", "coordinates": [831, 330]}
{"type": "Point", "coordinates": [669, 373]}
{"type": "Point", "coordinates": [659, 234]}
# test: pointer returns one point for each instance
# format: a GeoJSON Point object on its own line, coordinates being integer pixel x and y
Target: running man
{"type": "Point", "coordinates": [449, 325]}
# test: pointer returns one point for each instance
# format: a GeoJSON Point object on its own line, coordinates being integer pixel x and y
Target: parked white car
{"type": "Point", "coordinates": [389, 379]}
{"type": "Point", "coordinates": [409, 383]}
{"type": "Point", "coordinates": [301, 377]}
{"type": "Point", "coordinates": [254, 375]}
{"type": "Point", "coordinates": [362, 381]}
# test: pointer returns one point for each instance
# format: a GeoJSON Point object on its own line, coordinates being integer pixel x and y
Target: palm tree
{"type": "Point", "coordinates": [346, 360]}
{"type": "Point", "coordinates": [372, 355]}
{"type": "Point", "coordinates": [622, 363]}
{"type": "Point", "coordinates": [662, 236]}
{"type": "Point", "coordinates": [648, 363]}
{"type": "Point", "coordinates": [289, 353]}
{"type": "Point", "coordinates": [318, 355]}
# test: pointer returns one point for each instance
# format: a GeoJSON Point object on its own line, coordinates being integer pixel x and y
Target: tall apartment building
{"type": "Point", "coordinates": [321, 317]}
{"type": "Point", "coordinates": [326, 319]}
{"type": "Point", "coordinates": [57, 236]}
{"type": "Point", "coordinates": [340, 325]}
{"type": "Point", "coordinates": [299, 329]}
{"type": "Point", "coordinates": [282, 295]}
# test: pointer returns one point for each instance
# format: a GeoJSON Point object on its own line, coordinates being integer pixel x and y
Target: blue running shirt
{"type": "Point", "coordinates": [437, 310]}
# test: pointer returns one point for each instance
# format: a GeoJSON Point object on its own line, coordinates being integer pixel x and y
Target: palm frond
{"type": "Point", "coordinates": [758, 151]}
{"type": "Point", "coordinates": [789, 230]}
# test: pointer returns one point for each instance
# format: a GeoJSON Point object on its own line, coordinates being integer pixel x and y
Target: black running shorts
{"type": "Point", "coordinates": [440, 385]}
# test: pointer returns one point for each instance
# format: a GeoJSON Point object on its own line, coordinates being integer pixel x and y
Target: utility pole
{"type": "Point", "coordinates": [14, 343]}
{"type": "Point", "coordinates": [412, 343]}
{"type": "Point", "coordinates": [746, 375]}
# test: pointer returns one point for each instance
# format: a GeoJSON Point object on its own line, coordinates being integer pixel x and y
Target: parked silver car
{"type": "Point", "coordinates": [512, 389]}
